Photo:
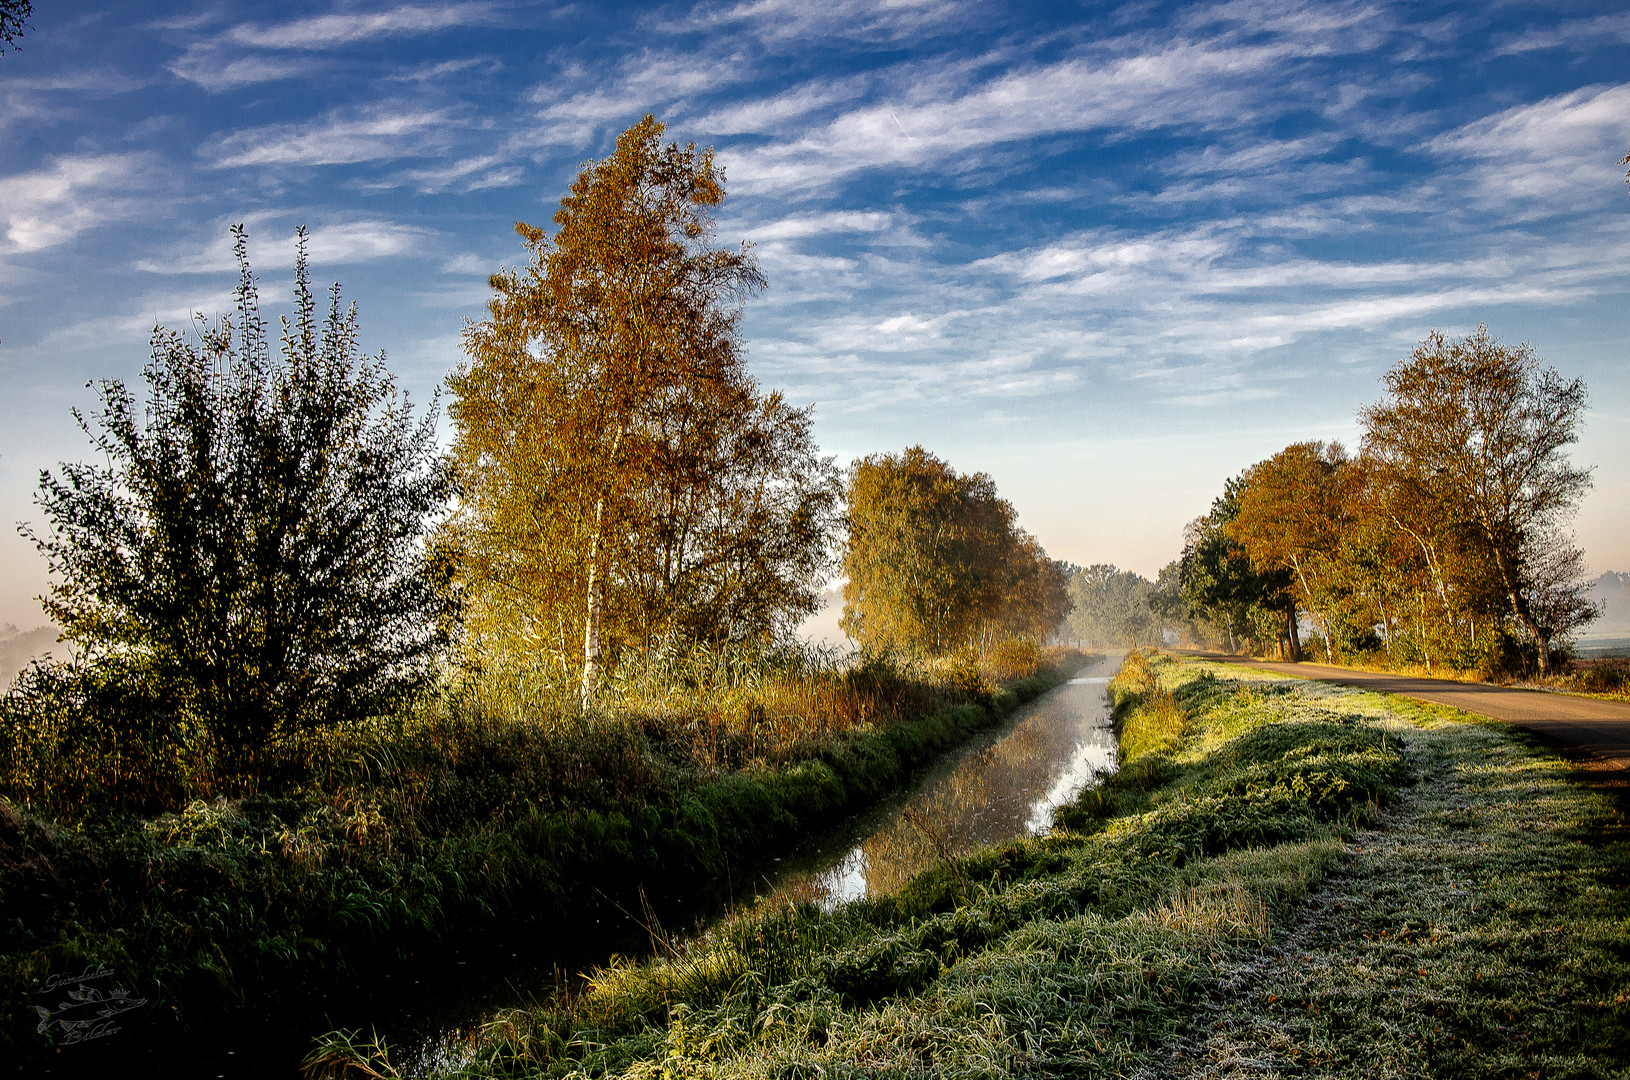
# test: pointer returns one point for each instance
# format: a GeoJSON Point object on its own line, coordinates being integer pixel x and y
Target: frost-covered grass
{"type": "Point", "coordinates": [1286, 878]}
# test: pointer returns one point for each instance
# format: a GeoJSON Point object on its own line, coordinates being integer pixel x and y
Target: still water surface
{"type": "Point", "coordinates": [999, 787]}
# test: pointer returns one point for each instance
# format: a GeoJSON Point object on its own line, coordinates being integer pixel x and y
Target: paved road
{"type": "Point", "coordinates": [1596, 733]}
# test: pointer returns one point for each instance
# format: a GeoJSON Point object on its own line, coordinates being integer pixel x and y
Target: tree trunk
{"type": "Point", "coordinates": [1292, 636]}
{"type": "Point", "coordinates": [1519, 607]}
{"type": "Point", "coordinates": [591, 623]}
{"type": "Point", "coordinates": [1438, 584]}
{"type": "Point", "coordinates": [1319, 623]}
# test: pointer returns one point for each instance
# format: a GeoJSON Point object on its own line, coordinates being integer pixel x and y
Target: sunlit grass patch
{"type": "Point", "coordinates": [1479, 930]}
{"type": "Point", "coordinates": [1076, 952]}
{"type": "Point", "coordinates": [1311, 879]}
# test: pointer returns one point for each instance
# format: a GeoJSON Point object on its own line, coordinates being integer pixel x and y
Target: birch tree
{"type": "Point", "coordinates": [619, 471]}
{"type": "Point", "coordinates": [1477, 432]}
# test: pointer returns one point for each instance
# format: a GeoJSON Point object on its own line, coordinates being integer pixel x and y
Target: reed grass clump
{"type": "Point", "coordinates": [1607, 678]}
{"type": "Point", "coordinates": [1148, 718]}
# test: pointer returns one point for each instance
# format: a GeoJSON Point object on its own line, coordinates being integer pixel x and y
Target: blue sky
{"type": "Point", "coordinates": [1110, 254]}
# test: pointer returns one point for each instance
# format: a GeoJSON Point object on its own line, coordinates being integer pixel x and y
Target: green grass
{"type": "Point", "coordinates": [1285, 878]}
{"type": "Point", "coordinates": [470, 822]}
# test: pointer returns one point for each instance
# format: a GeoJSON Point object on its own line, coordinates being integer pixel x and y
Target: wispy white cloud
{"type": "Point", "coordinates": [54, 204]}
{"type": "Point", "coordinates": [97, 81]}
{"type": "Point", "coordinates": [825, 224]}
{"type": "Point", "coordinates": [1286, 186]}
{"type": "Point", "coordinates": [465, 175]}
{"type": "Point", "coordinates": [1253, 156]}
{"type": "Point", "coordinates": [650, 81]}
{"type": "Point", "coordinates": [337, 31]}
{"type": "Point", "coordinates": [1103, 260]}
{"type": "Point", "coordinates": [1291, 18]}
{"type": "Point", "coordinates": [773, 113]}
{"type": "Point", "coordinates": [1559, 154]}
{"type": "Point", "coordinates": [1575, 34]}
{"type": "Point", "coordinates": [486, 65]}
{"type": "Point", "coordinates": [128, 327]}
{"type": "Point", "coordinates": [1196, 314]}
{"type": "Point", "coordinates": [788, 22]}
{"type": "Point", "coordinates": [381, 132]}
{"type": "Point", "coordinates": [250, 53]}
{"type": "Point", "coordinates": [467, 263]}
{"type": "Point", "coordinates": [1198, 86]}
{"type": "Point", "coordinates": [339, 244]}
{"type": "Point", "coordinates": [38, 100]}
{"type": "Point", "coordinates": [1225, 68]}
{"type": "Point", "coordinates": [217, 69]}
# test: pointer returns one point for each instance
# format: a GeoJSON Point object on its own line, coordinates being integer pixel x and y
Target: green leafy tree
{"type": "Point", "coordinates": [1418, 575]}
{"type": "Point", "coordinates": [253, 552]}
{"type": "Point", "coordinates": [1222, 587]}
{"type": "Point", "coordinates": [1295, 511]}
{"type": "Point", "coordinates": [1173, 610]}
{"type": "Point", "coordinates": [934, 560]}
{"type": "Point", "coordinates": [1036, 592]}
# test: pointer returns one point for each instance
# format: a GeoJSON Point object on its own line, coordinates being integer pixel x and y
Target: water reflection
{"type": "Point", "coordinates": [1008, 789]}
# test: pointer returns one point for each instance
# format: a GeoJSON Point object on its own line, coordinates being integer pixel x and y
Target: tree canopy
{"type": "Point", "coordinates": [253, 550]}
{"type": "Point", "coordinates": [621, 477]}
{"type": "Point", "coordinates": [934, 559]}
{"type": "Point", "coordinates": [1445, 537]}
{"type": "Point", "coordinates": [1473, 433]}
{"type": "Point", "coordinates": [1223, 587]}
{"type": "Point", "coordinates": [1294, 510]}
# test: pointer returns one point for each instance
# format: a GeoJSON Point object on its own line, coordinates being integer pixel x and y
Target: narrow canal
{"type": "Point", "coordinates": [1000, 785]}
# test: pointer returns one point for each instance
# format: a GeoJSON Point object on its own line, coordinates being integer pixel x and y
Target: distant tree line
{"type": "Point", "coordinates": [1112, 608]}
{"type": "Point", "coordinates": [1445, 541]}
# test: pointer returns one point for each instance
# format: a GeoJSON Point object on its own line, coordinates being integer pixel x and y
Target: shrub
{"type": "Point", "coordinates": [250, 559]}
{"type": "Point", "coordinates": [1605, 677]}
{"type": "Point", "coordinates": [1012, 658]}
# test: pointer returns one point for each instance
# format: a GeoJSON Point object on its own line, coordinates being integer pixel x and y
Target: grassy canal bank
{"type": "Point", "coordinates": [240, 926]}
{"type": "Point", "coordinates": [1284, 877]}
